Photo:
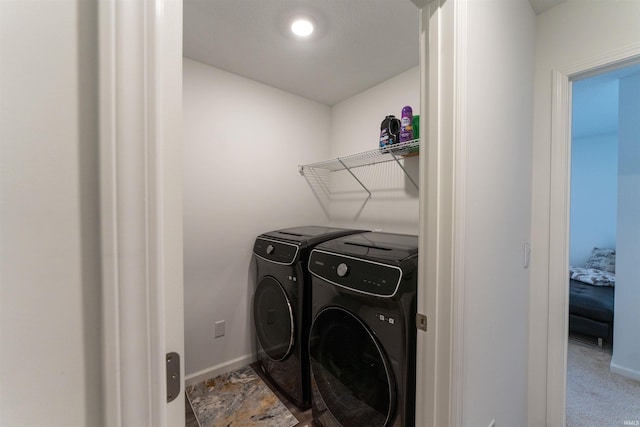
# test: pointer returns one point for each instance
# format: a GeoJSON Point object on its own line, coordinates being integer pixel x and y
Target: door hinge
{"type": "Point", "coordinates": [421, 321]}
{"type": "Point", "coordinates": [173, 376]}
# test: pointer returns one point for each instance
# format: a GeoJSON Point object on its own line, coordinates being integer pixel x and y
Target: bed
{"type": "Point", "coordinates": [591, 296]}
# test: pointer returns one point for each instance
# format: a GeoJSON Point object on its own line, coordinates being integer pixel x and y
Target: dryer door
{"type": "Point", "coordinates": [273, 317]}
{"type": "Point", "coordinates": [351, 372]}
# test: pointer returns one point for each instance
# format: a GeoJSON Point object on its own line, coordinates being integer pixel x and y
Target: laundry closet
{"type": "Point", "coordinates": [245, 148]}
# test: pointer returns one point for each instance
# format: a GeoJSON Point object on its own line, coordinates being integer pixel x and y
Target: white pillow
{"type": "Point", "coordinates": [602, 259]}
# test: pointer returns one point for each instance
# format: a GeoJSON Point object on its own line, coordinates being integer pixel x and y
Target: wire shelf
{"type": "Point", "coordinates": [381, 155]}
{"type": "Point", "coordinates": [366, 158]}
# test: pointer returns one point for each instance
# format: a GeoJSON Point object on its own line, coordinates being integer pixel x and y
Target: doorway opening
{"type": "Point", "coordinates": [250, 119]}
{"type": "Point", "coordinates": [604, 189]}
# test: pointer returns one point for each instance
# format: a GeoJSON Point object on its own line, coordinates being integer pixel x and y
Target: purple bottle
{"type": "Point", "coordinates": [406, 124]}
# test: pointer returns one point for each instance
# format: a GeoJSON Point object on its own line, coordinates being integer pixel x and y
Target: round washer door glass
{"type": "Point", "coordinates": [351, 373]}
{"type": "Point", "coordinates": [273, 319]}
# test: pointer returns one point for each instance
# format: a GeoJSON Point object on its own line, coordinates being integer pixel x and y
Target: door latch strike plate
{"type": "Point", "coordinates": [173, 376]}
{"type": "Point", "coordinates": [421, 321]}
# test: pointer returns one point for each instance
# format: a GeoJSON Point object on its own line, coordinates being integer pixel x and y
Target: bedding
{"type": "Point", "coordinates": [591, 295]}
{"type": "Point", "coordinates": [592, 276]}
{"type": "Point", "coordinates": [591, 302]}
{"type": "Point", "coordinates": [591, 310]}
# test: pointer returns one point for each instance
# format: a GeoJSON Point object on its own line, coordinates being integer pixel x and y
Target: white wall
{"type": "Point", "coordinates": [355, 128]}
{"type": "Point", "coordinates": [569, 34]}
{"type": "Point", "coordinates": [626, 346]}
{"type": "Point", "coordinates": [499, 82]}
{"type": "Point", "coordinates": [243, 142]}
{"type": "Point", "coordinates": [594, 195]}
{"type": "Point", "coordinates": [50, 277]}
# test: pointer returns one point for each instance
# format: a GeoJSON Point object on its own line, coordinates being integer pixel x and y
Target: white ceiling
{"type": "Point", "coordinates": [358, 44]}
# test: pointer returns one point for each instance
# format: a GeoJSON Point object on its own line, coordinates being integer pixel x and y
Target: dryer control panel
{"type": "Point", "coordinates": [368, 277]}
{"type": "Point", "coordinates": [275, 251]}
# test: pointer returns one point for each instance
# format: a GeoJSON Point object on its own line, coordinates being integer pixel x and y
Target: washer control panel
{"type": "Point", "coordinates": [360, 275]}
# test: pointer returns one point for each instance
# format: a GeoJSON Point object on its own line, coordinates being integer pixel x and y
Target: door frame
{"type": "Point", "coordinates": [440, 353]}
{"type": "Point", "coordinates": [559, 210]}
{"type": "Point", "coordinates": [141, 210]}
{"type": "Point", "coordinates": [140, 103]}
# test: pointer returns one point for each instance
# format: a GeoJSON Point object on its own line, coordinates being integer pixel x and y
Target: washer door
{"type": "Point", "coordinates": [273, 319]}
{"type": "Point", "coordinates": [352, 375]}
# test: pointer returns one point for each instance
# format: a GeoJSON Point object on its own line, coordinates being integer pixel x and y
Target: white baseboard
{"type": "Point", "coordinates": [625, 372]}
{"type": "Point", "coordinates": [219, 369]}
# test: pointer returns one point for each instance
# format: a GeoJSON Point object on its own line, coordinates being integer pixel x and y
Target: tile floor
{"type": "Point", "coordinates": [305, 419]}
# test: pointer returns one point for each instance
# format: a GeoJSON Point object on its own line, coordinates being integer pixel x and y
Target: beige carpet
{"type": "Point", "coordinates": [597, 397]}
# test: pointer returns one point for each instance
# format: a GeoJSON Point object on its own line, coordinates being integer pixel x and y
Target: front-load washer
{"type": "Point", "coordinates": [362, 342]}
{"type": "Point", "coordinates": [281, 304]}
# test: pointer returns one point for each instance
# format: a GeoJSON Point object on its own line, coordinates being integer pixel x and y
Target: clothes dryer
{"type": "Point", "coordinates": [281, 305]}
{"type": "Point", "coordinates": [362, 342]}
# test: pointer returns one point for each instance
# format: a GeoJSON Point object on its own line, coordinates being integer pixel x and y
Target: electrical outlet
{"type": "Point", "coordinates": [219, 328]}
{"type": "Point", "coordinates": [492, 423]}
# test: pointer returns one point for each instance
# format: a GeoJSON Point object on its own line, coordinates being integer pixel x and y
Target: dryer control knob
{"type": "Point", "coordinates": [270, 249]}
{"type": "Point", "coordinates": [342, 270]}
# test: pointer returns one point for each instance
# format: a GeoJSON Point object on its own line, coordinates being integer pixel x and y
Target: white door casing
{"type": "Point", "coordinates": [559, 207]}
{"type": "Point", "coordinates": [140, 70]}
{"type": "Point", "coordinates": [439, 349]}
{"type": "Point", "coordinates": [140, 79]}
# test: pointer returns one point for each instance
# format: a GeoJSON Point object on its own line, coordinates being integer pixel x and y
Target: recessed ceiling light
{"type": "Point", "coordinates": [302, 27]}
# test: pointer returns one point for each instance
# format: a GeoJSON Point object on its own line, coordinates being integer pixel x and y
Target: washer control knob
{"type": "Point", "coordinates": [270, 249]}
{"type": "Point", "coordinates": [342, 270]}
